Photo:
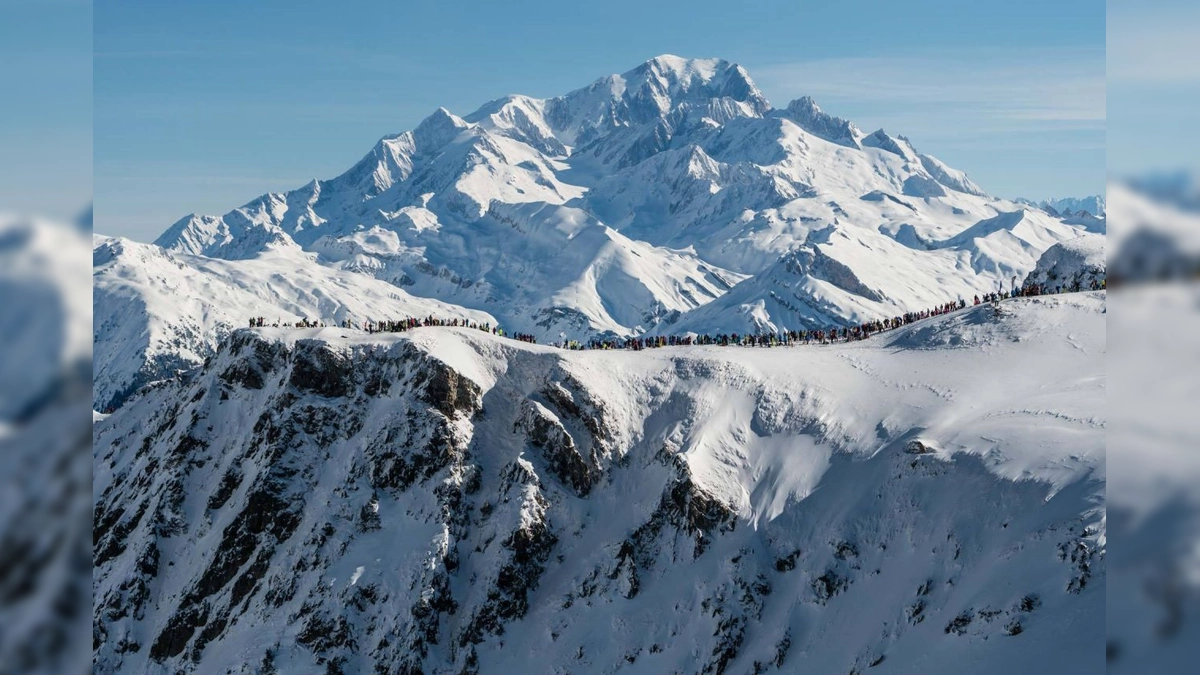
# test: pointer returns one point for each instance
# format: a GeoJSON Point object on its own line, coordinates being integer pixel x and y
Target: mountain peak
{"type": "Point", "coordinates": [897, 145]}
{"type": "Point", "coordinates": [442, 119]}
{"type": "Point", "coordinates": [438, 129]}
{"type": "Point", "coordinates": [679, 78]}
{"type": "Point", "coordinates": [808, 116]}
{"type": "Point", "coordinates": [683, 67]}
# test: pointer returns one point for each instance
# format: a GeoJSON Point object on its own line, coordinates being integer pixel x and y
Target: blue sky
{"type": "Point", "coordinates": [45, 107]}
{"type": "Point", "coordinates": [201, 107]}
{"type": "Point", "coordinates": [1153, 83]}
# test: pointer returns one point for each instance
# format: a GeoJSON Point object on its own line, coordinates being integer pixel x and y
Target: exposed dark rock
{"type": "Point", "coordinates": [530, 546]}
{"type": "Point", "coordinates": [844, 550]}
{"type": "Point", "coordinates": [1078, 554]}
{"type": "Point", "coordinates": [916, 447]}
{"type": "Point", "coordinates": [572, 400]}
{"type": "Point", "coordinates": [828, 585]}
{"type": "Point", "coordinates": [959, 624]}
{"type": "Point", "coordinates": [731, 633]}
{"type": "Point", "coordinates": [267, 519]}
{"type": "Point", "coordinates": [111, 531]}
{"type": "Point", "coordinates": [448, 391]}
{"type": "Point", "coordinates": [316, 368]}
{"type": "Point", "coordinates": [396, 465]}
{"type": "Point", "coordinates": [323, 635]}
{"type": "Point", "coordinates": [557, 448]}
{"type": "Point", "coordinates": [812, 261]}
{"type": "Point", "coordinates": [788, 562]}
{"type": "Point", "coordinates": [915, 613]}
{"type": "Point", "coordinates": [627, 569]}
{"type": "Point", "coordinates": [781, 649]}
{"type": "Point", "coordinates": [229, 482]}
{"type": "Point", "coordinates": [1029, 603]}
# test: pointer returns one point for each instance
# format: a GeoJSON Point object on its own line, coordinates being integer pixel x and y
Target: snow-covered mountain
{"type": "Point", "coordinates": [633, 205]}
{"type": "Point", "coordinates": [927, 501]}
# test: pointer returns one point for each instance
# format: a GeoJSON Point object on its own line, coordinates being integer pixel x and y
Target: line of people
{"type": "Point", "coordinates": [758, 339]}
{"type": "Point", "coordinates": [261, 322]}
{"type": "Point", "coordinates": [778, 339]}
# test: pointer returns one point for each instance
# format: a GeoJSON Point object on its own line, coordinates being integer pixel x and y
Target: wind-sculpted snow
{"type": "Point", "coordinates": [445, 500]}
{"type": "Point", "coordinates": [640, 200]}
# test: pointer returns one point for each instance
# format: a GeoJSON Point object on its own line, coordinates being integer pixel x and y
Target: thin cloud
{"type": "Point", "coordinates": [1008, 90]}
{"type": "Point", "coordinates": [170, 53]}
{"type": "Point", "coordinates": [1154, 47]}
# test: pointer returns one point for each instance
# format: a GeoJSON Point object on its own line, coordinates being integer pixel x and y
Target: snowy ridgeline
{"type": "Point", "coordinates": [673, 197]}
{"type": "Point", "coordinates": [928, 501]}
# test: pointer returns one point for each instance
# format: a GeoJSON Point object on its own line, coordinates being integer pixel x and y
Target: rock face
{"type": "Point", "coordinates": [449, 501]}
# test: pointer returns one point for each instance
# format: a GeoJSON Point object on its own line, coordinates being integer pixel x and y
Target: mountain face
{"type": "Point", "coordinates": [448, 501]}
{"type": "Point", "coordinates": [631, 206]}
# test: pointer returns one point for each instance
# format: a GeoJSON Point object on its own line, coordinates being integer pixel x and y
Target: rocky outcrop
{"type": "Point", "coordinates": [812, 261]}
{"type": "Point", "coordinates": [557, 447]}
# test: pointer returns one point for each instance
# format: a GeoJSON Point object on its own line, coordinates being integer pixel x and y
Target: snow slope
{"type": "Point", "coordinates": [927, 501]}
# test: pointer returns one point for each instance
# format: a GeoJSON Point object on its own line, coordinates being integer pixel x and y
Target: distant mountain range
{"type": "Point", "coordinates": [1067, 206]}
